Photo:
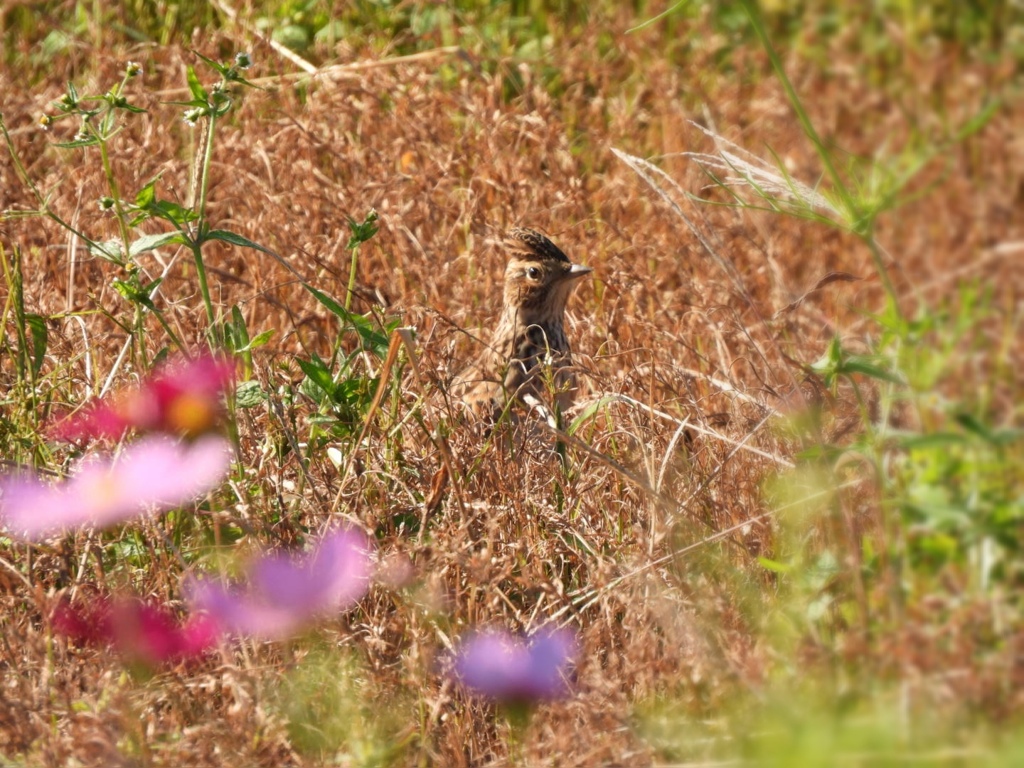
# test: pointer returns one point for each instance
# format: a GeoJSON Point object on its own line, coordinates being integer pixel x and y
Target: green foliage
{"type": "Point", "coordinates": [343, 396]}
{"type": "Point", "coordinates": [823, 723]}
{"type": "Point", "coordinates": [30, 328]}
{"type": "Point", "coordinates": [927, 486]}
{"type": "Point", "coordinates": [99, 118]}
{"type": "Point", "coordinates": [329, 716]}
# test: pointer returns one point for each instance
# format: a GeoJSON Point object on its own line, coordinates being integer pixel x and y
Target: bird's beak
{"type": "Point", "coordinates": [578, 270]}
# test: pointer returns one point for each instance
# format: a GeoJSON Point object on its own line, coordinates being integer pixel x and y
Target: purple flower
{"type": "Point", "coordinates": [286, 592]}
{"type": "Point", "coordinates": [150, 476]}
{"type": "Point", "coordinates": [513, 670]}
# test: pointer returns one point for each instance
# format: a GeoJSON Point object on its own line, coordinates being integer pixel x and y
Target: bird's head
{"type": "Point", "coordinates": [539, 277]}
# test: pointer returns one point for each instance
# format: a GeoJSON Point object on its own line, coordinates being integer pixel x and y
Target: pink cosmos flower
{"type": "Point", "coordinates": [517, 671]}
{"type": "Point", "coordinates": [286, 592]}
{"type": "Point", "coordinates": [184, 398]}
{"type": "Point", "coordinates": [150, 476]}
{"type": "Point", "coordinates": [141, 631]}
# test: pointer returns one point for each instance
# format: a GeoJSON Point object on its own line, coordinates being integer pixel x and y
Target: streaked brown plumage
{"type": "Point", "coordinates": [529, 358]}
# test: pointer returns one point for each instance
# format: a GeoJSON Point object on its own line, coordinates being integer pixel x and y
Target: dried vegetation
{"type": "Point", "coordinates": [658, 566]}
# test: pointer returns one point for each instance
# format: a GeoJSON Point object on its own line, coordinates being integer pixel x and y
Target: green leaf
{"type": "Point", "coordinates": [137, 294]}
{"type": "Point", "coordinates": [89, 142]}
{"type": "Point", "coordinates": [236, 239]}
{"type": "Point", "coordinates": [362, 231]}
{"type": "Point", "coordinates": [147, 195]}
{"type": "Point", "coordinates": [196, 88]}
{"type": "Point", "coordinates": [259, 341]}
{"type": "Point", "coordinates": [589, 412]}
{"type": "Point", "coordinates": [238, 333]}
{"type": "Point", "coordinates": [980, 120]}
{"type": "Point", "coordinates": [774, 565]}
{"type": "Point", "coordinates": [1007, 436]}
{"type": "Point", "coordinates": [330, 303]}
{"type": "Point", "coordinates": [317, 373]}
{"type": "Point", "coordinates": [868, 367]}
{"type": "Point", "coordinates": [109, 250]}
{"type": "Point", "coordinates": [828, 364]}
{"type": "Point", "coordinates": [221, 68]}
{"type": "Point", "coordinates": [356, 392]}
{"type": "Point", "coordinates": [160, 357]}
{"type": "Point", "coordinates": [127, 291]}
{"type": "Point", "coordinates": [198, 103]}
{"type": "Point", "coordinates": [233, 76]}
{"type": "Point", "coordinates": [974, 426]}
{"type": "Point", "coordinates": [372, 339]}
{"type": "Point", "coordinates": [248, 394]}
{"type": "Point", "coordinates": [178, 215]}
{"type": "Point", "coordinates": [221, 106]}
{"type": "Point", "coordinates": [37, 329]}
{"type": "Point", "coordinates": [149, 242]}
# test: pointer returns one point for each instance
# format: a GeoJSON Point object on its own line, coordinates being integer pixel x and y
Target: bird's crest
{"type": "Point", "coordinates": [529, 242]}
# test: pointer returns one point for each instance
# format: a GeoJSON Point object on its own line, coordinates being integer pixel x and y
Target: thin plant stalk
{"type": "Point", "coordinates": [352, 271]}
{"type": "Point", "coordinates": [861, 220]}
{"type": "Point", "coordinates": [197, 254]}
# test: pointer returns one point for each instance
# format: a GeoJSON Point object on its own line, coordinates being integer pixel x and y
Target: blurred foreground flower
{"type": "Point", "coordinates": [150, 476]}
{"type": "Point", "coordinates": [142, 632]}
{"type": "Point", "coordinates": [286, 592]}
{"type": "Point", "coordinates": [184, 398]}
{"type": "Point", "coordinates": [512, 670]}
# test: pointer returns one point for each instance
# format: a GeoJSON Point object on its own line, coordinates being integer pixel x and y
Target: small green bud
{"type": "Point", "coordinates": [66, 103]}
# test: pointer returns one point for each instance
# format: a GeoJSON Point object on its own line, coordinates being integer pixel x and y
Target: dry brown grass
{"type": "Point", "coordinates": [668, 598]}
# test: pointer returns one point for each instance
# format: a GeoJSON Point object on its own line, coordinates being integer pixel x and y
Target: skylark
{"type": "Point", "coordinates": [528, 359]}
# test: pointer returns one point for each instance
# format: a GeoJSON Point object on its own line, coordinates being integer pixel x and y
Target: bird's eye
{"type": "Point", "coordinates": [533, 273]}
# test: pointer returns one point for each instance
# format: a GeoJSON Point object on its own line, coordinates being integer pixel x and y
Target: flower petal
{"type": "Point", "coordinates": [333, 576]}
{"type": "Point", "coordinates": [506, 668]}
{"type": "Point", "coordinates": [236, 612]}
{"type": "Point", "coordinates": [150, 476]}
{"type": "Point", "coordinates": [287, 591]}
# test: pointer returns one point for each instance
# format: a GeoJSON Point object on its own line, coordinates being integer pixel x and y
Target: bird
{"type": "Point", "coordinates": [528, 359]}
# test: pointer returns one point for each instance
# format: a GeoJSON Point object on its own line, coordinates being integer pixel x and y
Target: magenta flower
{"type": "Point", "coordinates": [286, 592]}
{"type": "Point", "coordinates": [517, 671]}
{"type": "Point", "coordinates": [184, 398]}
{"type": "Point", "coordinates": [150, 476]}
{"type": "Point", "coordinates": [142, 632]}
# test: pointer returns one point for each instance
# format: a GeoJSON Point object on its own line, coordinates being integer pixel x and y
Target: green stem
{"type": "Point", "coordinates": [140, 336]}
{"type": "Point", "coordinates": [204, 178]}
{"type": "Point", "coordinates": [197, 255]}
{"type": "Point", "coordinates": [750, 6]}
{"type": "Point", "coordinates": [22, 173]}
{"type": "Point", "coordinates": [44, 209]}
{"type": "Point", "coordinates": [861, 221]}
{"type": "Point", "coordinates": [883, 272]}
{"type": "Point", "coordinates": [167, 329]}
{"type": "Point", "coordinates": [204, 287]}
{"type": "Point", "coordinates": [351, 279]}
{"type": "Point", "coordinates": [13, 276]}
{"type": "Point", "coordinates": [115, 193]}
